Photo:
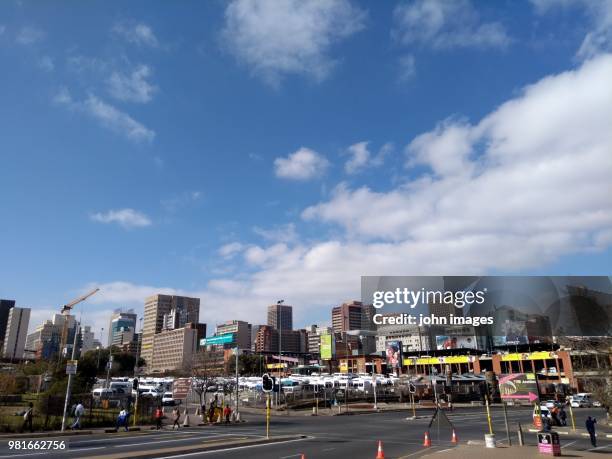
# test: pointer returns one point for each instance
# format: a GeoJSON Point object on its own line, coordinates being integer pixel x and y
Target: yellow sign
{"type": "Point", "coordinates": [343, 366]}
{"type": "Point", "coordinates": [439, 360]}
{"type": "Point", "coordinates": [276, 366]}
{"type": "Point", "coordinates": [541, 355]}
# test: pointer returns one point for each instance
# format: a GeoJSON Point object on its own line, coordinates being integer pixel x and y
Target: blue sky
{"type": "Point", "coordinates": [249, 151]}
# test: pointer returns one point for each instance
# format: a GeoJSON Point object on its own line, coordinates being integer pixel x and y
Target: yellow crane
{"type": "Point", "coordinates": [66, 311]}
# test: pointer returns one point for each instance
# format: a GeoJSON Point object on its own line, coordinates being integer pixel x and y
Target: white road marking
{"type": "Point", "coordinates": [234, 448]}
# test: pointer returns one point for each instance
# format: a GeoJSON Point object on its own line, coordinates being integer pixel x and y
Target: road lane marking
{"type": "Point", "coordinates": [235, 448]}
{"type": "Point", "coordinates": [168, 441]}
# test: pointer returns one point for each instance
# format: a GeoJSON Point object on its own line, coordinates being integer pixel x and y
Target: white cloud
{"type": "Point", "coordinates": [29, 35]}
{"type": "Point", "coordinates": [303, 164]}
{"type": "Point", "coordinates": [127, 218]}
{"type": "Point", "coordinates": [46, 63]}
{"type": "Point", "coordinates": [535, 186]}
{"type": "Point", "coordinates": [289, 37]}
{"type": "Point", "coordinates": [597, 40]}
{"type": "Point", "coordinates": [181, 200]}
{"type": "Point", "coordinates": [107, 115]}
{"type": "Point", "coordinates": [229, 250]}
{"type": "Point", "coordinates": [443, 24]}
{"type": "Point", "coordinates": [139, 34]}
{"type": "Point", "coordinates": [282, 233]}
{"type": "Point", "coordinates": [407, 67]}
{"type": "Point", "coordinates": [362, 158]}
{"type": "Point", "coordinates": [132, 87]}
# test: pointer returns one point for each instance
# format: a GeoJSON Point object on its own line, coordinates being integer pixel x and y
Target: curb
{"type": "Point", "coordinates": [567, 432]}
{"type": "Point", "coordinates": [47, 434]}
{"type": "Point", "coordinates": [177, 451]}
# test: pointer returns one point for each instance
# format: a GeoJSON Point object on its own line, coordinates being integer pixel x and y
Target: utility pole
{"type": "Point", "coordinates": [68, 387]}
{"type": "Point", "coordinates": [109, 364]}
{"type": "Point", "coordinates": [136, 371]}
{"type": "Point", "coordinates": [237, 350]}
{"type": "Point", "coordinates": [279, 303]}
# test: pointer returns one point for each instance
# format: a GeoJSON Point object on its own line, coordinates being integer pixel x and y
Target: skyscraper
{"type": "Point", "coordinates": [16, 332]}
{"type": "Point", "coordinates": [121, 322]}
{"type": "Point", "coordinates": [349, 316]}
{"type": "Point", "coordinates": [280, 316]}
{"type": "Point", "coordinates": [165, 312]}
{"type": "Point", "coordinates": [5, 307]}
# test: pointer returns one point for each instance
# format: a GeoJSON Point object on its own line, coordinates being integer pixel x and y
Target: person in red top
{"type": "Point", "coordinates": [227, 412]}
{"type": "Point", "coordinates": [158, 415]}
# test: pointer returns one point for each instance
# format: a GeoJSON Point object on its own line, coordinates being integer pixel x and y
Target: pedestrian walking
{"type": "Point", "coordinates": [79, 410]}
{"type": "Point", "coordinates": [563, 417]}
{"type": "Point", "coordinates": [211, 413]}
{"type": "Point", "coordinates": [176, 416]}
{"type": "Point", "coordinates": [227, 412]}
{"type": "Point", "coordinates": [158, 415]}
{"type": "Point", "coordinates": [590, 427]}
{"type": "Point", "coordinates": [122, 420]}
{"type": "Point", "coordinates": [27, 418]}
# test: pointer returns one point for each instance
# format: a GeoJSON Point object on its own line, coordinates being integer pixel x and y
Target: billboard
{"type": "Point", "coordinates": [518, 387]}
{"type": "Point", "coordinates": [219, 339]}
{"type": "Point", "coordinates": [393, 351]}
{"type": "Point", "coordinates": [455, 342]}
{"type": "Point", "coordinates": [327, 345]}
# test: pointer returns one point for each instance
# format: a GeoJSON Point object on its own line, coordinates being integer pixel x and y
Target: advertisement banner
{"type": "Point", "coordinates": [326, 347]}
{"type": "Point", "coordinates": [518, 387]}
{"type": "Point", "coordinates": [455, 342]}
{"type": "Point", "coordinates": [393, 351]}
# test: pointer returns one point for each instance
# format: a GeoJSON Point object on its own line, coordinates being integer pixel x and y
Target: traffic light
{"type": "Point", "coordinates": [135, 384]}
{"type": "Point", "coordinates": [267, 383]}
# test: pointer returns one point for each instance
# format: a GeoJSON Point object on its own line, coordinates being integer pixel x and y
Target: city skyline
{"type": "Point", "coordinates": [477, 144]}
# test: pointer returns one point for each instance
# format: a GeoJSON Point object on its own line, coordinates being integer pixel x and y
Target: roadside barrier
{"type": "Point", "coordinates": [381, 453]}
{"type": "Point", "coordinates": [426, 440]}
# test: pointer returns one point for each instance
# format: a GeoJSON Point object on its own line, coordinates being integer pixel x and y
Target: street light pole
{"type": "Point", "coordinates": [68, 387]}
{"type": "Point", "coordinates": [280, 349]}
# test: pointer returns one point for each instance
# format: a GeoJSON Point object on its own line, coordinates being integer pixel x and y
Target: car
{"type": "Point", "coordinates": [168, 399]}
{"type": "Point", "coordinates": [550, 404]}
{"type": "Point", "coordinates": [581, 400]}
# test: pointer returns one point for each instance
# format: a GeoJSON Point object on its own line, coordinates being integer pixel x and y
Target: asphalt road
{"type": "Point", "coordinates": [353, 437]}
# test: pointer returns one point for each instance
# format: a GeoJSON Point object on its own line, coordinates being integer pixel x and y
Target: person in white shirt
{"type": "Point", "coordinates": [79, 410]}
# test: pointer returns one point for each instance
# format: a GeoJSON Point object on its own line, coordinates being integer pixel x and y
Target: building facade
{"type": "Point", "coordinates": [16, 333]}
{"type": "Point", "coordinates": [119, 322]}
{"type": "Point", "coordinates": [174, 349]}
{"type": "Point", "coordinates": [162, 312]}
{"type": "Point", "coordinates": [5, 307]}
{"type": "Point", "coordinates": [280, 316]}
{"type": "Point", "coordinates": [241, 331]}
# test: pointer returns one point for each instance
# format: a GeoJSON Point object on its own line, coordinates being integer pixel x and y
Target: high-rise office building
{"type": "Point", "coordinates": [5, 307]}
{"type": "Point", "coordinates": [348, 316]}
{"type": "Point", "coordinates": [121, 322]}
{"type": "Point", "coordinates": [87, 339]}
{"type": "Point", "coordinates": [280, 316]}
{"type": "Point", "coordinates": [174, 349]}
{"type": "Point", "coordinates": [167, 312]}
{"type": "Point", "coordinates": [267, 339]}
{"type": "Point", "coordinates": [241, 331]}
{"type": "Point", "coordinates": [16, 332]}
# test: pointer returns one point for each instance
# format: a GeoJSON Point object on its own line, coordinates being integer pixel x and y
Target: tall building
{"type": "Point", "coordinates": [165, 312]}
{"type": "Point", "coordinates": [16, 332]}
{"type": "Point", "coordinates": [412, 337]}
{"type": "Point", "coordinates": [87, 339]}
{"type": "Point", "coordinates": [174, 349]}
{"type": "Point", "coordinates": [241, 331]}
{"type": "Point", "coordinates": [280, 316]}
{"type": "Point", "coordinates": [120, 322]}
{"type": "Point", "coordinates": [348, 316]}
{"type": "Point", "coordinates": [5, 307]}
{"type": "Point", "coordinates": [267, 339]}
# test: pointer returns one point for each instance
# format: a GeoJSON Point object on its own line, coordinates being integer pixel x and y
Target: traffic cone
{"type": "Point", "coordinates": [426, 441]}
{"type": "Point", "coordinates": [186, 421]}
{"type": "Point", "coordinates": [303, 456]}
{"type": "Point", "coordinates": [454, 437]}
{"type": "Point", "coordinates": [381, 453]}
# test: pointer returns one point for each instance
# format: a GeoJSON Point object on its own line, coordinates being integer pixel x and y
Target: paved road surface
{"type": "Point", "coordinates": [353, 437]}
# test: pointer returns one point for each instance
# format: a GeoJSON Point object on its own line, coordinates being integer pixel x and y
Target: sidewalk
{"type": "Point", "coordinates": [476, 452]}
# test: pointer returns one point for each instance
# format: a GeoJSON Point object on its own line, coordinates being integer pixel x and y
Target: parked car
{"type": "Point", "coordinates": [168, 399]}
{"type": "Point", "coordinates": [582, 400]}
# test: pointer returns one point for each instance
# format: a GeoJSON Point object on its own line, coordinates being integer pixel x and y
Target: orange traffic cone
{"type": "Point", "coordinates": [427, 441]}
{"type": "Point", "coordinates": [381, 453]}
{"type": "Point", "coordinates": [303, 456]}
{"type": "Point", "coordinates": [454, 437]}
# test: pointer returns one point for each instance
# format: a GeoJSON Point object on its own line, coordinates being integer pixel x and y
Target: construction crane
{"type": "Point", "coordinates": [65, 312]}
